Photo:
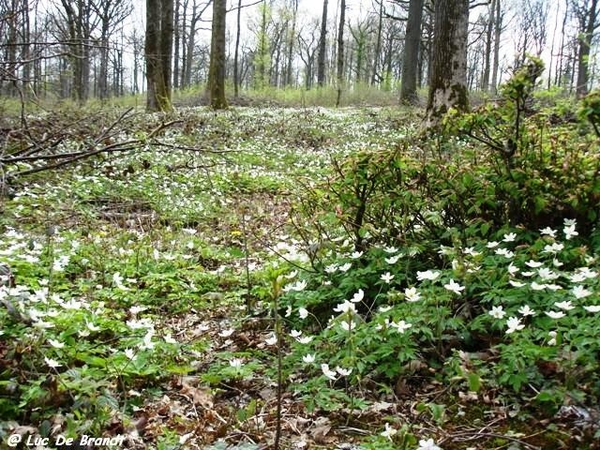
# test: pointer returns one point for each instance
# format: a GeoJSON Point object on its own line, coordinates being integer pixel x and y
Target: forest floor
{"type": "Point", "coordinates": [142, 294]}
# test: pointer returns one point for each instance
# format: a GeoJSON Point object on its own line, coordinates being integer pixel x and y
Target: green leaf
{"type": "Point", "coordinates": [546, 396]}
{"type": "Point", "coordinates": [474, 382]}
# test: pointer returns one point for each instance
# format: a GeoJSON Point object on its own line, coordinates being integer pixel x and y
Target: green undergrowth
{"type": "Point", "coordinates": [419, 288]}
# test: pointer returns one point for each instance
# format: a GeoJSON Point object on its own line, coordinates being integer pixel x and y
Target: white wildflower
{"type": "Point", "coordinates": [303, 313]}
{"type": "Point", "coordinates": [358, 297]}
{"type": "Point", "coordinates": [56, 344]}
{"type": "Point", "coordinates": [387, 277]}
{"type": "Point", "coordinates": [428, 275]}
{"type": "Point", "coordinates": [308, 358]}
{"type": "Point", "coordinates": [412, 295]}
{"type": "Point", "coordinates": [526, 311]}
{"type": "Point", "coordinates": [401, 326]}
{"type": "Point", "coordinates": [581, 292]}
{"type": "Point", "coordinates": [454, 287]}
{"type": "Point", "coordinates": [343, 372]}
{"type": "Point", "coordinates": [52, 363]}
{"type": "Point", "coordinates": [328, 372]}
{"type": "Point", "coordinates": [509, 237]}
{"type": "Point", "coordinates": [497, 312]}
{"type": "Point", "coordinates": [388, 432]}
{"type": "Point", "coordinates": [514, 324]}
{"type": "Point", "coordinates": [566, 305]}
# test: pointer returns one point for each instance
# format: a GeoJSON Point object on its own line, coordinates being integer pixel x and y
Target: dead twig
{"type": "Point", "coordinates": [466, 436]}
{"type": "Point", "coordinates": [40, 153]}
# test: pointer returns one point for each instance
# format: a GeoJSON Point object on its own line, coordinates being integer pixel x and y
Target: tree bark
{"type": "Point", "coordinates": [216, 73]}
{"type": "Point", "coordinates": [497, 33]}
{"type": "Point", "coordinates": [236, 57]}
{"type": "Point", "coordinates": [103, 80]}
{"type": "Point", "coordinates": [151, 50]}
{"type": "Point", "coordinates": [292, 39]}
{"type": "Point", "coordinates": [322, 47]}
{"type": "Point", "coordinates": [166, 51]}
{"type": "Point", "coordinates": [262, 57]}
{"type": "Point", "coordinates": [191, 43]}
{"type": "Point", "coordinates": [159, 43]}
{"type": "Point", "coordinates": [78, 18]}
{"type": "Point", "coordinates": [340, 53]}
{"type": "Point", "coordinates": [10, 67]}
{"type": "Point", "coordinates": [410, 59]}
{"type": "Point", "coordinates": [375, 69]}
{"type": "Point", "coordinates": [588, 26]}
{"type": "Point", "coordinates": [26, 51]}
{"type": "Point", "coordinates": [360, 38]}
{"type": "Point", "coordinates": [177, 44]}
{"type": "Point", "coordinates": [487, 53]}
{"type": "Point", "coordinates": [448, 83]}
{"type": "Point", "coordinates": [183, 44]}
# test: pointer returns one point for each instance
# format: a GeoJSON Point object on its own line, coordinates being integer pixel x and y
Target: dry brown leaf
{"type": "Point", "coordinates": [200, 397]}
{"type": "Point", "coordinates": [319, 434]}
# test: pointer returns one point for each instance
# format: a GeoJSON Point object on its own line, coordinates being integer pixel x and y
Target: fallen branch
{"type": "Point", "coordinates": [44, 156]}
{"type": "Point", "coordinates": [474, 435]}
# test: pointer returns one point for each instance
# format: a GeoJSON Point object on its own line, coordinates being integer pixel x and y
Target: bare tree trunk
{"type": "Point", "coordinates": [137, 44]}
{"type": "Point", "coordinates": [588, 26]}
{"type": "Point", "coordinates": [410, 59]}
{"type": "Point", "coordinates": [190, 52]}
{"type": "Point", "coordinates": [86, 67]}
{"type": "Point", "coordinates": [498, 16]}
{"type": "Point", "coordinates": [321, 67]}
{"type": "Point", "coordinates": [359, 36]}
{"type": "Point", "coordinates": [118, 88]}
{"type": "Point", "coordinates": [387, 85]}
{"type": "Point", "coordinates": [183, 44]}
{"type": "Point", "coordinates": [37, 64]}
{"type": "Point", "coordinates": [448, 84]}
{"type": "Point", "coordinates": [292, 39]}
{"type": "Point", "coordinates": [26, 51]}
{"type": "Point", "coordinates": [426, 53]}
{"type": "Point", "coordinates": [216, 74]}
{"type": "Point", "coordinates": [377, 44]}
{"type": "Point", "coordinates": [262, 53]}
{"type": "Point", "coordinates": [236, 57]}
{"type": "Point", "coordinates": [103, 79]}
{"type": "Point", "coordinates": [151, 49]}
{"type": "Point", "coordinates": [159, 41]}
{"type": "Point", "coordinates": [177, 32]}
{"type": "Point", "coordinates": [340, 53]}
{"type": "Point", "coordinates": [559, 73]}
{"type": "Point", "coordinates": [110, 14]}
{"type": "Point", "coordinates": [166, 50]}
{"type": "Point", "coordinates": [10, 69]}
{"type": "Point", "coordinates": [487, 53]}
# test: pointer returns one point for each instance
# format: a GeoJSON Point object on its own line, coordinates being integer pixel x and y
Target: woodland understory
{"type": "Point", "coordinates": [302, 278]}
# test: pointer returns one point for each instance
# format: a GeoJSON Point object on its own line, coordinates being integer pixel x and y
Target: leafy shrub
{"type": "Point", "coordinates": [534, 162]}
{"type": "Point", "coordinates": [511, 166]}
{"type": "Point", "coordinates": [527, 301]}
{"type": "Point", "coordinates": [590, 110]}
{"type": "Point", "coordinates": [487, 262]}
